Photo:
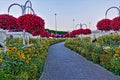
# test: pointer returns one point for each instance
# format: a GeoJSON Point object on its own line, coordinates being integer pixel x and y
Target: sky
{"type": "Point", "coordinates": [87, 12]}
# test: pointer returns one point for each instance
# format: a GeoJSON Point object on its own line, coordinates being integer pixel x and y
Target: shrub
{"type": "Point", "coordinates": [96, 57]}
{"type": "Point", "coordinates": [115, 62]}
{"type": "Point", "coordinates": [105, 60]}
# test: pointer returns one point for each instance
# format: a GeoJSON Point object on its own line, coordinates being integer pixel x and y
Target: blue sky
{"type": "Point", "coordinates": [83, 11]}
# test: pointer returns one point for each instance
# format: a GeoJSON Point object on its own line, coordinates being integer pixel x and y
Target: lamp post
{"type": "Point", "coordinates": [56, 23]}
{"type": "Point", "coordinates": [73, 23]}
{"type": "Point", "coordinates": [69, 33]}
{"type": "Point", "coordinates": [89, 24]}
{"type": "Point", "coordinates": [81, 28]}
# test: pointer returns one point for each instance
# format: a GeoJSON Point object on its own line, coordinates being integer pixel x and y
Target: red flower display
{"type": "Point", "coordinates": [87, 31]}
{"type": "Point", "coordinates": [45, 34]}
{"type": "Point", "coordinates": [8, 22]}
{"type": "Point", "coordinates": [52, 35]}
{"type": "Point", "coordinates": [72, 35]}
{"type": "Point", "coordinates": [115, 24]}
{"type": "Point", "coordinates": [80, 31]}
{"type": "Point", "coordinates": [31, 23]}
{"type": "Point", "coordinates": [104, 25]}
{"type": "Point", "coordinates": [74, 32]}
{"type": "Point", "coordinates": [66, 35]}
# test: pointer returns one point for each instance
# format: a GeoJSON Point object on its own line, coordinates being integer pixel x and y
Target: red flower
{"type": "Point", "coordinates": [8, 22]}
{"type": "Point", "coordinates": [66, 35]}
{"type": "Point", "coordinates": [72, 35]}
{"type": "Point", "coordinates": [74, 32]}
{"type": "Point", "coordinates": [45, 34]}
{"type": "Point", "coordinates": [104, 25]}
{"type": "Point", "coordinates": [115, 24]}
{"type": "Point", "coordinates": [31, 23]}
{"type": "Point", "coordinates": [87, 31]}
{"type": "Point", "coordinates": [52, 35]}
{"type": "Point", "coordinates": [80, 31]}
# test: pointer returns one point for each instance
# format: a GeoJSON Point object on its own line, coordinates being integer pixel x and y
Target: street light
{"type": "Point", "coordinates": [89, 24]}
{"type": "Point", "coordinates": [55, 23]}
{"type": "Point", "coordinates": [73, 23]}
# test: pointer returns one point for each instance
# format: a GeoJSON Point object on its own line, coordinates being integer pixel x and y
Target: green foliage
{"type": "Point", "coordinates": [109, 40]}
{"type": "Point", "coordinates": [96, 57]}
{"type": "Point", "coordinates": [19, 63]}
{"type": "Point", "coordinates": [105, 61]}
{"type": "Point", "coordinates": [58, 32]}
{"type": "Point", "coordinates": [105, 51]}
{"type": "Point", "coordinates": [115, 62]}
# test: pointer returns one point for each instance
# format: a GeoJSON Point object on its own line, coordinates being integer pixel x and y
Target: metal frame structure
{"type": "Point", "coordinates": [27, 5]}
{"type": "Point", "coordinates": [118, 8]}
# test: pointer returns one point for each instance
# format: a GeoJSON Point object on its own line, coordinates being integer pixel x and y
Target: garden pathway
{"type": "Point", "coordinates": [64, 64]}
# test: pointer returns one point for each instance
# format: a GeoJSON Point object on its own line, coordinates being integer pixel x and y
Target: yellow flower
{"type": "Point", "coordinates": [35, 54]}
{"type": "Point", "coordinates": [28, 57]}
{"type": "Point", "coordinates": [21, 55]}
{"type": "Point", "coordinates": [29, 49]}
{"type": "Point", "coordinates": [9, 49]}
{"type": "Point", "coordinates": [14, 49]}
{"type": "Point", "coordinates": [1, 48]}
{"type": "Point", "coordinates": [116, 55]}
{"type": "Point", "coordinates": [1, 59]}
{"type": "Point", "coordinates": [20, 39]}
{"type": "Point", "coordinates": [18, 52]}
{"type": "Point", "coordinates": [117, 50]}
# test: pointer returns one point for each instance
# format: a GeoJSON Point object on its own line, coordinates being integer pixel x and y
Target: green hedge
{"type": "Point", "coordinates": [58, 32]}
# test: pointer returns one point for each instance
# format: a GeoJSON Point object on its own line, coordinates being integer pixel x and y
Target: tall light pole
{"type": "Point", "coordinates": [89, 24]}
{"type": "Point", "coordinates": [55, 23]}
{"type": "Point", "coordinates": [73, 23]}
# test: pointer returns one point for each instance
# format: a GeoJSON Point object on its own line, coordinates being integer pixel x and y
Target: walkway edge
{"type": "Point", "coordinates": [43, 69]}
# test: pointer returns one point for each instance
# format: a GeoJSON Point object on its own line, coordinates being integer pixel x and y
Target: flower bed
{"type": "Point", "coordinates": [24, 63]}
{"type": "Point", "coordinates": [105, 51]}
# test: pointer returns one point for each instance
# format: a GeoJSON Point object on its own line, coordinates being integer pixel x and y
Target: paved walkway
{"type": "Point", "coordinates": [64, 64]}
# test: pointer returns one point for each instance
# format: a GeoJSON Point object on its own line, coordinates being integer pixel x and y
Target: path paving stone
{"type": "Point", "coordinates": [64, 64]}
